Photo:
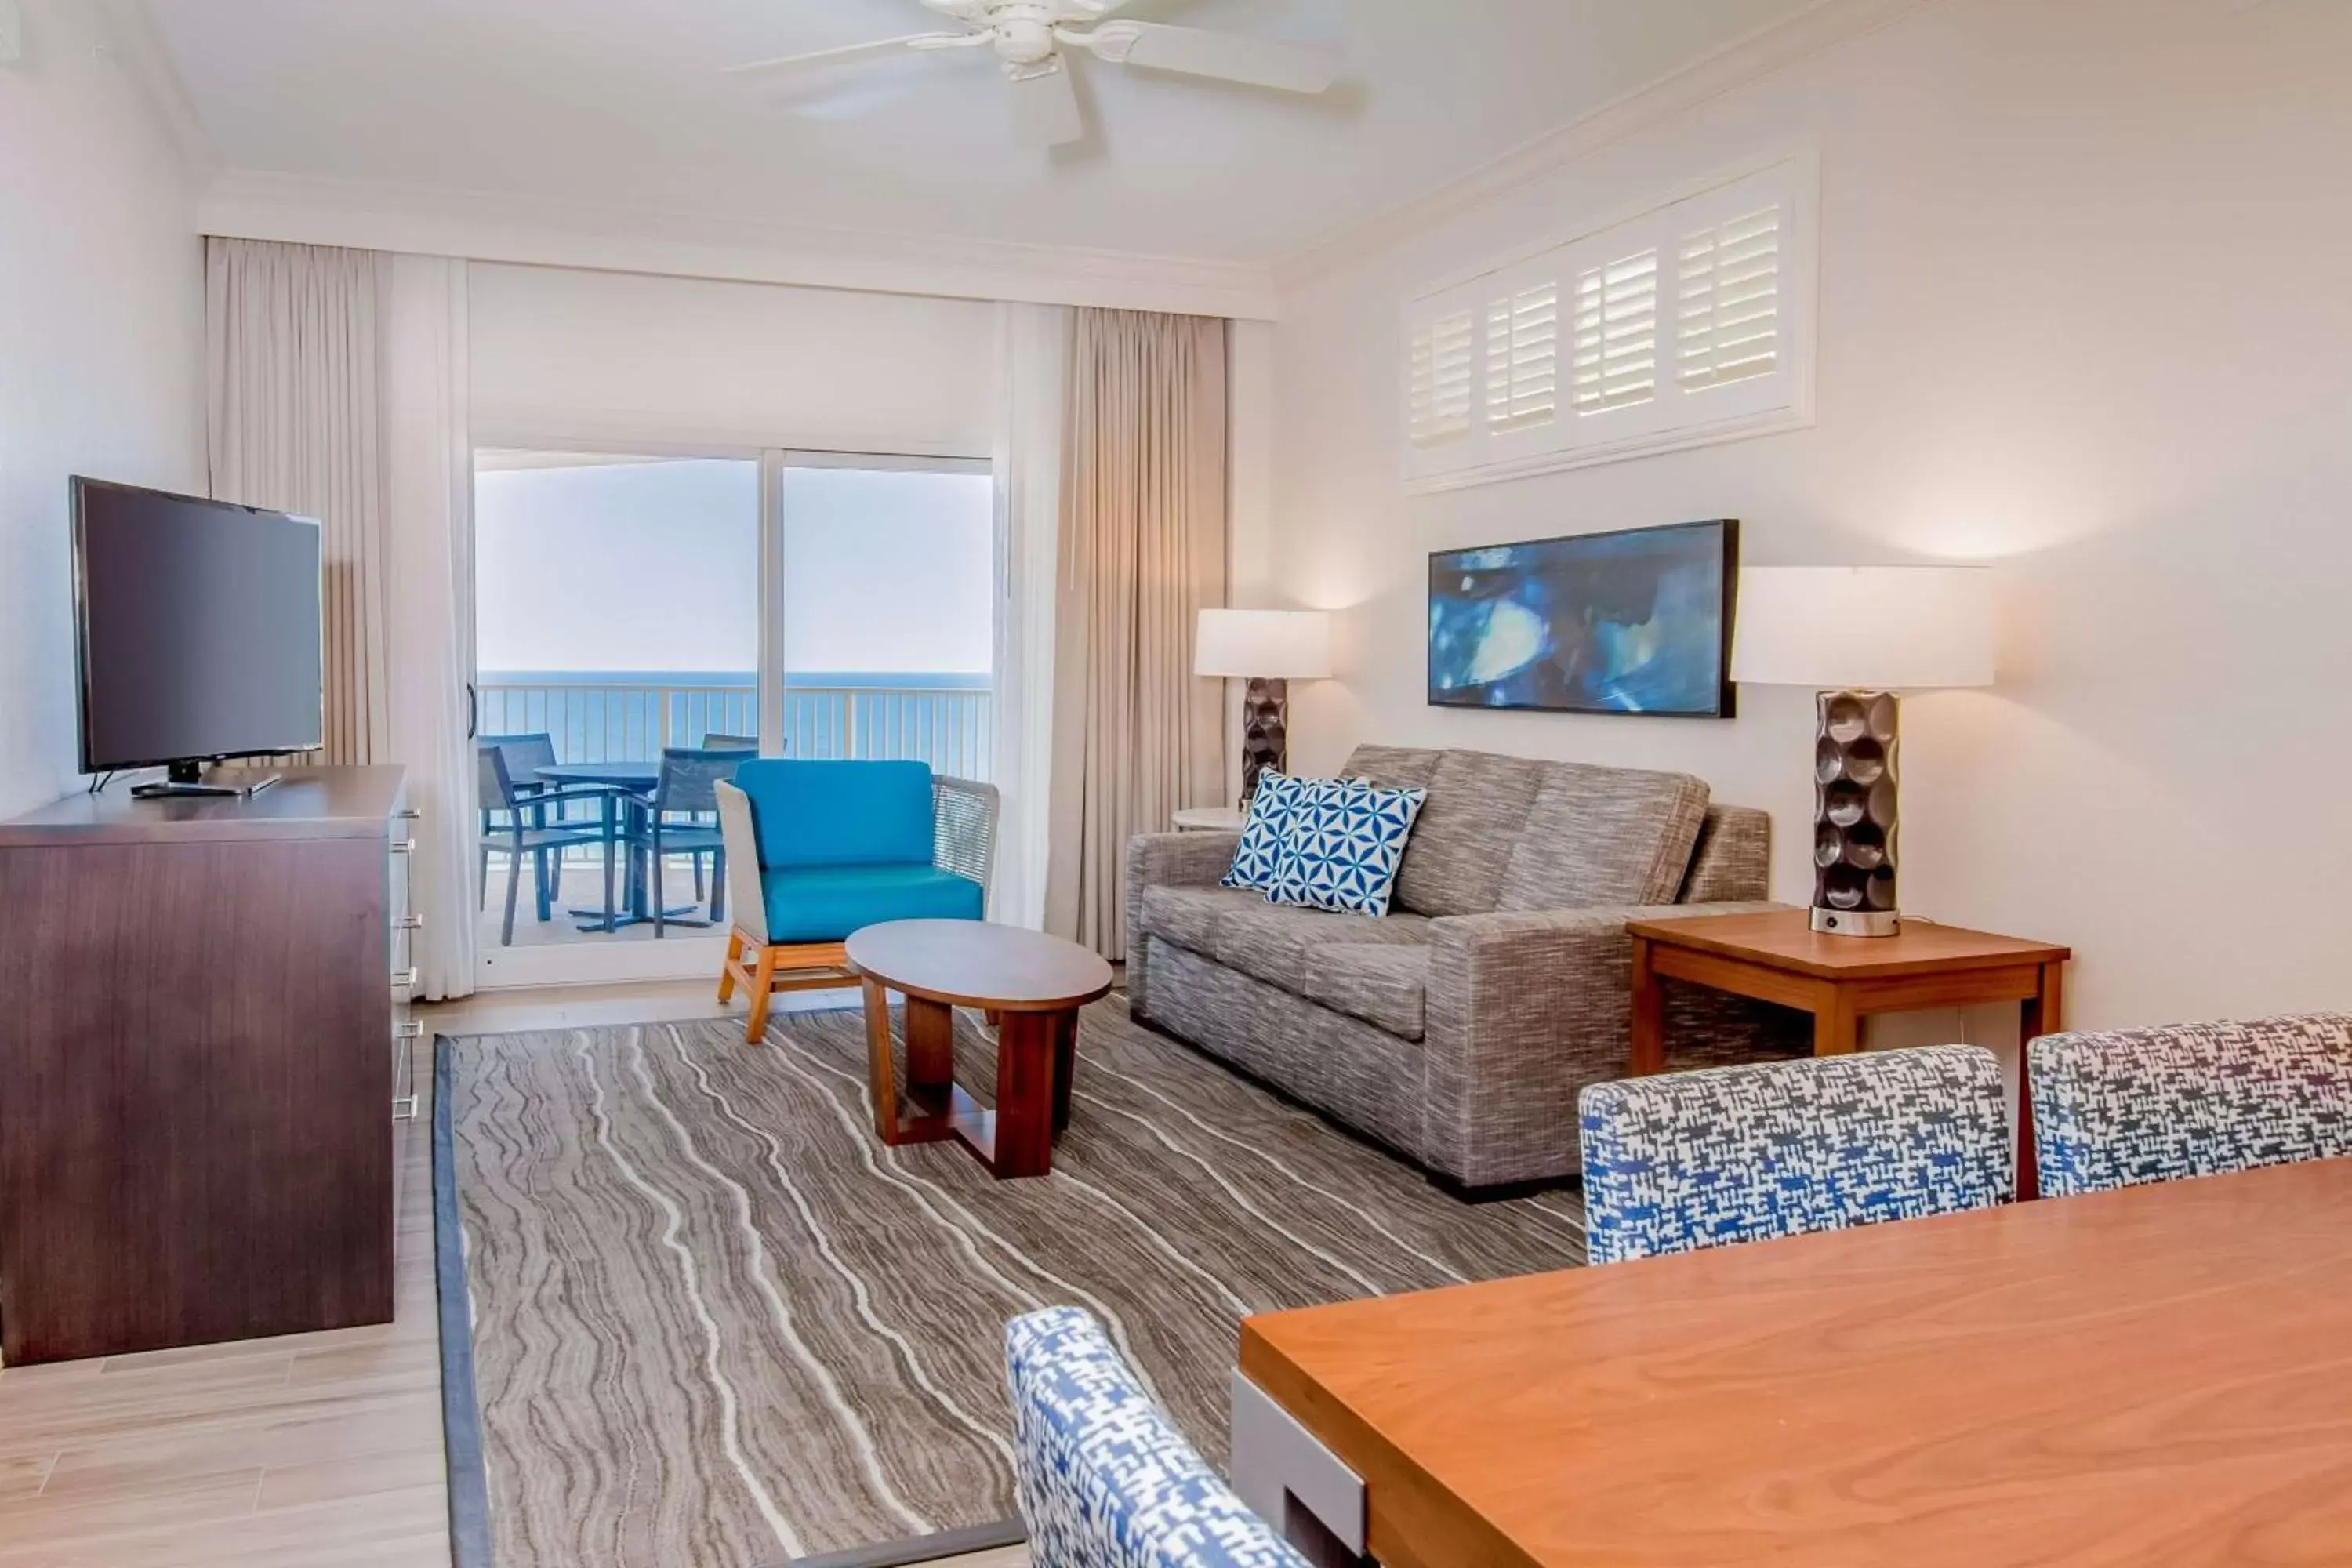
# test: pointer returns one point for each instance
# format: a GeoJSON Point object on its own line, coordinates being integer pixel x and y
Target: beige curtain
{"type": "Point", "coordinates": [1136, 735]}
{"type": "Point", "coordinates": [294, 416]}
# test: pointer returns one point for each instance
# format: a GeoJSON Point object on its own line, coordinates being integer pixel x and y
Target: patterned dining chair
{"type": "Point", "coordinates": [2132, 1105]}
{"type": "Point", "coordinates": [1105, 1479]}
{"type": "Point", "coordinates": [1683, 1161]}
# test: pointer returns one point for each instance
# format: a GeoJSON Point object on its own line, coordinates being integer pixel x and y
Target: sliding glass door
{"type": "Point", "coordinates": [886, 619]}
{"type": "Point", "coordinates": [816, 605]}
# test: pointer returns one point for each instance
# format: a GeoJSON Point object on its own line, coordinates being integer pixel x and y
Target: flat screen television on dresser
{"type": "Point", "coordinates": [198, 634]}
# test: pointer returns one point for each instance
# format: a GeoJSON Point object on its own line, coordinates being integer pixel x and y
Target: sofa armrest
{"type": "Point", "coordinates": [1165, 860]}
{"type": "Point", "coordinates": [1525, 1009]}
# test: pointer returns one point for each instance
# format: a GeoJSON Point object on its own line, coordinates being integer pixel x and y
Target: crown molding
{"type": "Point", "coordinates": [1824, 27]}
{"type": "Point", "coordinates": [482, 226]}
{"type": "Point", "coordinates": [130, 34]}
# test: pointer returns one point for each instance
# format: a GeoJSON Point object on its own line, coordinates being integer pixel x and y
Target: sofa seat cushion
{"type": "Point", "coordinates": [1188, 917]}
{"type": "Point", "coordinates": [1604, 838]}
{"type": "Point", "coordinates": [1386, 984]}
{"type": "Point", "coordinates": [1271, 942]}
{"type": "Point", "coordinates": [826, 903]}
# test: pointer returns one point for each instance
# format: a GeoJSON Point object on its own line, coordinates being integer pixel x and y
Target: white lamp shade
{"type": "Point", "coordinates": [1272, 645]}
{"type": "Point", "coordinates": [1869, 628]}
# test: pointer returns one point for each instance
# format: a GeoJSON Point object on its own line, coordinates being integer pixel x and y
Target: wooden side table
{"type": "Point", "coordinates": [1840, 979]}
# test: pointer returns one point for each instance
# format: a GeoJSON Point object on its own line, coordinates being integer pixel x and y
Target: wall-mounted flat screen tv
{"type": "Point", "coordinates": [1637, 621]}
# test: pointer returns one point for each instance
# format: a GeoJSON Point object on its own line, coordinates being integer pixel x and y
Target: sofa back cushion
{"type": "Point", "coordinates": [1393, 767]}
{"type": "Point", "coordinates": [1477, 807]}
{"type": "Point", "coordinates": [1604, 837]}
{"type": "Point", "coordinates": [839, 813]}
{"type": "Point", "coordinates": [1733, 862]}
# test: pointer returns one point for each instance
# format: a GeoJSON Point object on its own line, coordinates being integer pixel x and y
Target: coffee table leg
{"type": "Point", "coordinates": [1025, 1094]}
{"type": "Point", "coordinates": [930, 1053]}
{"type": "Point", "coordinates": [1065, 1066]}
{"type": "Point", "coordinates": [880, 1076]}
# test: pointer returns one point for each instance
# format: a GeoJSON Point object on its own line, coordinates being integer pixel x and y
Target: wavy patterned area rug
{"type": "Point", "coordinates": [715, 1322]}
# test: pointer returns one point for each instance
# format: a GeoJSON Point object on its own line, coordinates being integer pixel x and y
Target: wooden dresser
{"type": "Point", "coordinates": [203, 1046]}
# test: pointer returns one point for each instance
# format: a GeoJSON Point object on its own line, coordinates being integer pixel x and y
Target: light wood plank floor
{"type": "Point", "coordinates": [309, 1451]}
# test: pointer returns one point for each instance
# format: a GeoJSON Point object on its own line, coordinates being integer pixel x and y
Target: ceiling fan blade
{"type": "Point", "coordinates": [856, 51]}
{"type": "Point", "coordinates": [1228, 56]}
{"type": "Point", "coordinates": [1045, 106]}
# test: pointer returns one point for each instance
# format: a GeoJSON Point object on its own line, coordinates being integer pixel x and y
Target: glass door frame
{"type": "Point", "coordinates": [695, 953]}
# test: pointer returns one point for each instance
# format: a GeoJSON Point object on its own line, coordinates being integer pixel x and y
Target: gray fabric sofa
{"type": "Point", "coordinates": [1459, 1029]}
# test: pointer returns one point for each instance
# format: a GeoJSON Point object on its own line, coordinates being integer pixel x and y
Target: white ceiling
{"type": "Point", "coordinates": [619, 103]}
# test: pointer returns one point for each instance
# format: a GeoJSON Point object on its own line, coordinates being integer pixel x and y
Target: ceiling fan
{"type": "Point", "coordinates": [1034, 40]}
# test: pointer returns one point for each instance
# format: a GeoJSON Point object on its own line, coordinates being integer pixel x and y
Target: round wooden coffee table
{"type": "Point", "coordinates": [1031, 983]}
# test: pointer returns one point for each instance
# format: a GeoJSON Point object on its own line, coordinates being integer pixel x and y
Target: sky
{"type": "Point", "coordinates": [654, 566]}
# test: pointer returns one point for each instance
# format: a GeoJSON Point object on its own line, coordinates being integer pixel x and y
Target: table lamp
{"type": "Point", "coordinates": [1857, 635]}
{"type": "Point", "coordinates": [1268, 648]}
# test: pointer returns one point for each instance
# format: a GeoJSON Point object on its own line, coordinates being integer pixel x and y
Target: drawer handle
{"type": "Point", "coordinates": [404, 979]}
{"type": "Point", "coordinates": [405, 846]}
{"type": "Point", "coordinates": [409, 922]}
{"type": "Point", "coordinates": [408, 814]}
{"type": "Point", "coordinates": [408, 1029]}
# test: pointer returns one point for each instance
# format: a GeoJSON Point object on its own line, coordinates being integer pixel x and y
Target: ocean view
{"type": "Point", "coordinates": [625, 715]}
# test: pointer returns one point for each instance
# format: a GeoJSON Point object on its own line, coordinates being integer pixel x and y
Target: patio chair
{"type": "Point", "coordinates": [682, 819]}
{"type": "Point", "coordinates": [521, 834]}
{"type": "Point", "coordinates": [816, 850]}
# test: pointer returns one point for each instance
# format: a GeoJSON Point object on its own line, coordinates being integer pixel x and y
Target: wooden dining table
{"type": "Point", "coordinates": [2160, 1375]}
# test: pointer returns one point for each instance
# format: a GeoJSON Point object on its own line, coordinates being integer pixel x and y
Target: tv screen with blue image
{"type": "Point", "coordinates": [1636, 622]}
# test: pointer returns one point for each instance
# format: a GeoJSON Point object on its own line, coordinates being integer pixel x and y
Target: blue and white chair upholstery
{"type": "Point", "coordinates": [1685, 1161]}
{"type": "Point", "coordinates": [1105, 1480]}
{"type": "Point", "coordinates": [2197, 1100]}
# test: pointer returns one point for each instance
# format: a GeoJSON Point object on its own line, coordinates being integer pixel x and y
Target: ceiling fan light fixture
{"type": "Point", "coordinates": [1029, 36]}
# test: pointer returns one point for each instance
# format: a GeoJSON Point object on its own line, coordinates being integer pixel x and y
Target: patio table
{"type": "Point", "coordinates": [636, 782]}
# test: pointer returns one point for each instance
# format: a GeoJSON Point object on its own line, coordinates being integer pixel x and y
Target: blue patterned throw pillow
{"type": "Point", "coordinates": [1344, 842]}
{"type": "Point", "coordinates": [1259, 854]}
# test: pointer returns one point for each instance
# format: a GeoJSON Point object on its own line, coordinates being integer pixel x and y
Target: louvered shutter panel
{"type": "Point", "coordinates": [1444, 376]}
{"type": "Point", "coordinates": [1617, 334]}
{"type": "Point", "coordinates": [1523, 359]}
{"type": "Point", "coordinates": [1729, 301]}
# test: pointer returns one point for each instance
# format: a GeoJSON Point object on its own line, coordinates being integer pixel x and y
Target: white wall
{"type": "Point", "coordinates": [101, 351]}
{"type": "Point", "coordinates": [566, 356]}
{"type": "Point", "coordinates": [2087, 314]}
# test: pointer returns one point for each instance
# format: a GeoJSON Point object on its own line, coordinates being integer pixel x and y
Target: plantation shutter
{"type": "Point", "coordinates": [1689, 323]}
{"type": "Point", "coordinates": [1729, 301]}
{"type": "Point", "coordinates": [1523, 359]}
{"type": "Point", "coordinates": [1617, 334]}
{"type": "Point", "coordinates": [1444, 376]}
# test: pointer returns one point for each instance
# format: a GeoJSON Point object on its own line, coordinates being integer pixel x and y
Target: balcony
{"type": "Point", "coordinates": [945, 721]}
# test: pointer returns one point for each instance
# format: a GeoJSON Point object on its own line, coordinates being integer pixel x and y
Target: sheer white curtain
{"type": "Point", "coordinates": [1033, 400]}
{"type": "Point", "coordinates": [294, 421]}
{"type": "Point", "coordinates": [431, 487]}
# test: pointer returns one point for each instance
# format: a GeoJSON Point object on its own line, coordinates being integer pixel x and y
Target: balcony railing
{"type": "Point", "coordinates": [943, 719]}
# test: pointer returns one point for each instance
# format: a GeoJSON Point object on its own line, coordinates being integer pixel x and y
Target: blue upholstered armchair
{"type": "Point", "coordinates": [816, 850]}
{"type": "Point", "coordinates": [1683, 1161]}
{"type": "Point", "coordinates": [2196, 1099]}
{"type": "Point", "coordinates": [1105, 1479]}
